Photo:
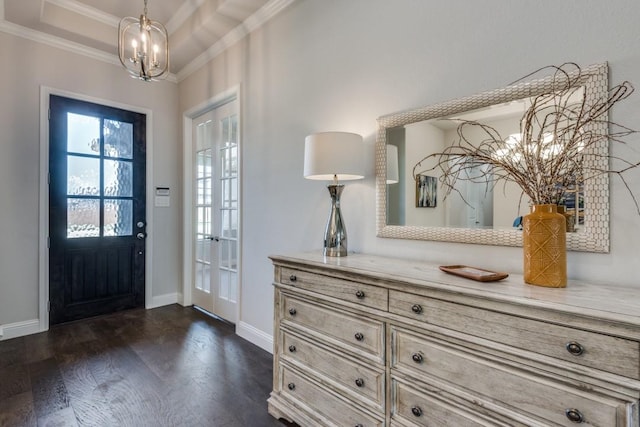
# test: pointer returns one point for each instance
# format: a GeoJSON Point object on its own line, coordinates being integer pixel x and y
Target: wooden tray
{"type": "Point", "coordinates": [474, 273]}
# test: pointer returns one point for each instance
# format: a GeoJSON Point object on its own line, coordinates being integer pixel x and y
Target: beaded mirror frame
{"type": "Point", "coordinates": [593, 236]}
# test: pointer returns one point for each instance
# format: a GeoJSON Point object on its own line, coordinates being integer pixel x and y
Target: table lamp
{"type": "Point", "coordinates": [334, 156]}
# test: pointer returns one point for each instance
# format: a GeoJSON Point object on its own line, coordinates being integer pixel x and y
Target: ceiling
{"type": "Point", "coordinates": [198, 29]}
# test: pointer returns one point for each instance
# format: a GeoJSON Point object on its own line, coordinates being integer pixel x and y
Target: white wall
{"type": "Point", "coordinates": [25, 66]}
{"type": "Point", "coordinates": [338, 65]}
{"type": "Point", "coordinates": [418, 136]}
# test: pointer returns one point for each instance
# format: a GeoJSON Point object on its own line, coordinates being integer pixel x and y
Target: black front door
{"type": "Point", "coordinates": [96, 209]}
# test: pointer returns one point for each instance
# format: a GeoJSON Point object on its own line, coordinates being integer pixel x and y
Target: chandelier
{"type": "Point", "coordinates": [143, 47]}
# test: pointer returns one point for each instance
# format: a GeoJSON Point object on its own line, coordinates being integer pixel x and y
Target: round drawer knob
{"type": "Point", "coordinates": [360, 294]}
{"type": "Point", "coordinates": [416, 411]}
{"type": "Point", "coordinates": [574, 348]}
{"type": "Point", "coordinates": [359, 425]}
{"type": "Point", "coordinates": [359, 382]}
{"type": "Point", "coordinates": [574, 415]}
{"type": "Point", "coordinates": [292, 348]}
{"type": "Point", "coordinates": [359, 337]}
{"type": "Point", "coordinates": [416, 308]}
{"type": "Point", "coordinates": [291, 386]}
{"type": "Point", "coordinates": [293, 278]}
{"type": "Point", "coordinates": [417, 357]}
{"type": "Point", "coordinates": [292, 311]}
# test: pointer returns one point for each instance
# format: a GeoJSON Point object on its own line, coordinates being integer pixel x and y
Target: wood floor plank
{"type": "Point", "coordinates": [12, 352]}
{"type": "Point", "coordinates": [63, 418]}
{"type": "Point", "coordinates": [87, 400]}
{"type": "Point", "coordinates": [17, 411]}
{"type": "Point", "coordinates": [48, 388]}
{"type": "Point", "coordinates": [168, 366]}
{"type": "Point", "coordinates": [15, 380]}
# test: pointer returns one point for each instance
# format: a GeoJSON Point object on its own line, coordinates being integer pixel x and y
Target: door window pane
{"type": "Point", "coordinates": [118, 178]}
{"type": "Point", "coordinates": [223, 287]}
{"type": "Point", "coordinates": [118, 217]}
{"type": "Point", "coordinates": [83, 176]}
{"type": "Point", "coordinates": [83, 217]}
{"type": "Point", "coordinates": [233, 286]}
{"type": "Point", "coordinates": [118, 139]}
{"type": "Point", "coordinates": [83, 134]}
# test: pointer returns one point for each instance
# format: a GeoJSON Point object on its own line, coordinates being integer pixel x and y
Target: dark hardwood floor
{"type": "Point", "coordinates": [170, 366]}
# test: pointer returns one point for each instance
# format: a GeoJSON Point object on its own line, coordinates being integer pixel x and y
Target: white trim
{"type": "Point", "coordinates": [166, 299]}
{"type": "Point", "coordinates": [86, 11]}
{"type": "Point", "coordinates": [250, 24]}
{"type": "Point", "coordinates": [19, 329]}
{"type": "Point", "coordinates": [43, 264]}
{"type": "Point", "coordinates": [255, 336]}
{"type": "Point", "coordinates": [64, 44]}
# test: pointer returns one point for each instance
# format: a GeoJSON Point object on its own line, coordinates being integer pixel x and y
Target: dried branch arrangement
{"type": "Point", "coordinates": [547, 157]}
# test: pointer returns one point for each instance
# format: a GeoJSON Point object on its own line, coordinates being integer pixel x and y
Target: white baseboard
{"type": "Point", "coordinates": [255, 336]}
{"type": "Point", "coordinates": [19, 329]}
{"type": "Point", "coordinates": [166, 299]}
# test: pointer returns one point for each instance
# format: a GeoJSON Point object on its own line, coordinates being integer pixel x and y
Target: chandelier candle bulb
{"type": "Point", "coordinates": [150, 42]}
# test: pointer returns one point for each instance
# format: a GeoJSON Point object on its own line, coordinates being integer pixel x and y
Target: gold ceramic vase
{"type": "Point", "coordinates": [544, 244]}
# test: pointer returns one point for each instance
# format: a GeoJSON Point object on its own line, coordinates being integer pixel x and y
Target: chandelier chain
{"type": "Point", "coordinates": [145, 7]}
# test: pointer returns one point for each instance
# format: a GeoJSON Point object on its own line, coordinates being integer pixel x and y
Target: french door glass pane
{"type": "Point", "coordinates": [83, 217]}
{"type": "Point", "coordinates": [83, 176]}
{"type": "Point", "coordinates": [118, 178]}
{"type": "Point", "coordinates": [224, 285]}
{"type": "Point", "coordinates": [204, 221]}
{"type": "Point", "coordinates": [83, 134]}
{"type": "Point", "coordinates": [206, 278]}
{"type": "Point", "coordinates": [118, 217]}
{"type": "Point", "coordinates": [118, 139]}
{"type": "Point", "coordinates": [203, 248]}
{"type": "Point", "coordinates": [224, 254]}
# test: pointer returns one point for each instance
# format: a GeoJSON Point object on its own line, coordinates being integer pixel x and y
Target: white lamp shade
{"type": "Point", "coordinates": [392, 164]}
{"type": "Point", "coordinates": [329, 154]}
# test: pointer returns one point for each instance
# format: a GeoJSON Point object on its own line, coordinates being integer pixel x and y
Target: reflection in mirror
{"type": "Point", "coordinates": [475, 202]}
{"type": "Point", "coordinates": [476, 212]}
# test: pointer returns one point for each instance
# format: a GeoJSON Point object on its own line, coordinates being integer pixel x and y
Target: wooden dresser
{"type": "Point", "coordinates": [373, 341]}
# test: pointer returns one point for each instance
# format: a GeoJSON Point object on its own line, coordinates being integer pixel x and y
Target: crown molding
{"type": "Point", "coordinates": [250, 24]}
{"type": "Point", "coordinates": [64, 44]}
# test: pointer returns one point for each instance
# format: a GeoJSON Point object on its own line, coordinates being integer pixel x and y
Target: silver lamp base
{"type": "Point", "coordinates": [335, 235]}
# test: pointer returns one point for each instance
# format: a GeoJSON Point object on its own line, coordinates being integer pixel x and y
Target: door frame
{"type": "Point", "coordinates": [231, 94]}
{"type": "Point", "coordinates": [43, 233]}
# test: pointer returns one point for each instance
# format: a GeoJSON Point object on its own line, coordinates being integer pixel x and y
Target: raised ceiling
{"type": "Point", "coordinates": [198, 29]}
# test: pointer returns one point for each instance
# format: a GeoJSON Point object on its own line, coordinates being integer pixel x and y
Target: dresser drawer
{"type": "Point", "coordinates": [298, 388]}
{"type": "Point", "coordinates": [414, 407]}
{"type": "Point", "coordinates": [353, 377]}
{"type": "Point", "coordinates": [355, 331]}
{"type": "Point", "coordinates": [515, 389]}
{"type": "Point", "coordinates": [367, 295]}
{"type": "Point", "coordinates": [611, 354]}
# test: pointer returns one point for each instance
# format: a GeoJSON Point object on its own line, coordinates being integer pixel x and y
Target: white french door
{"type": "Point", "coordinates": [216, 211]}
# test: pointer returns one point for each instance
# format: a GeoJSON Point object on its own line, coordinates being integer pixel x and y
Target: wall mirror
{"type": "Point", "coordinates": [410, 209]}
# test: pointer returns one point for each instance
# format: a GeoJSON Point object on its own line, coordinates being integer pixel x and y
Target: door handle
{"type": "Point", "coordinates": [214, 238]}
{"type": "Point", "coordinates": [141, 236]}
